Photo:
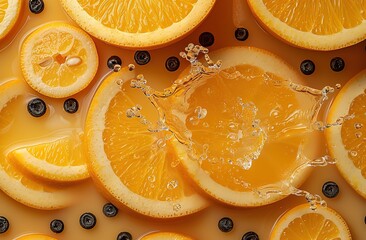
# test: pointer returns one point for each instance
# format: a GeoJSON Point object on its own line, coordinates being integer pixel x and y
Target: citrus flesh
{"type": "Point", "coordinates": [165, 236]}
{"type": "Point", "coordinates": [130, 164]}
{"type": "Point", "coordinates": [35, 237]}
{"type": "Point", "coordinates": [318, 25]}
{"type": "Point", "coordinates": [58, 59]}
{"type": "Point", "coordinates": [9, 14]}
{"type": "Point", "coordinates": [257, 130]}
{"type": "Point", "coordinates": [15, 183]}
{"type": "Point", "coordinates": [138, 23]}
{"type": "Point", "coordinates": [302, 223]}
{"type": "Point", "coordinates": [346, 143]}
{"type": "Point", "coordinates": [61, 160]}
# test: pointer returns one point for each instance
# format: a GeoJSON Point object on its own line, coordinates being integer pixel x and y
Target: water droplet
{"type": "Point", "coordinates": [174, 163]}
{"type": "Point", "coordinates": [161, 143]}
{"type": "Point", "coordinates": [201, 112]}
{"type": "Point", "coordinates": [131, 67]}
{"type": "Point", "coordinates": [177, 207]}
{"type": "Point", "coordinates": [173, 184]}
{"type": "Point", "coordinates": [353, 153]}
{"type": "Point", "coordinates": [136, 156]}
{"type": "Point", "coordinates": [151, 178]}
{"type": "Point", "coordinates": [358, 134]}
{"type": "Point", "coordinates": [358, 125]}
{"type": "Point", "coordinates": [338, 86]}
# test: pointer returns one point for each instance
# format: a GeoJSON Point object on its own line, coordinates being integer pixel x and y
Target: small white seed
{"type": "Point", "coordinates": [73, 61]}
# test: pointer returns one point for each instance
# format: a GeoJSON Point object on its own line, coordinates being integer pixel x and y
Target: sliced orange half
{"type": "Point", "coordinates": [9, 14]}
{"type": "Point", "coordinates": [132, 165]}
{"type": "Point", "coordinates": [138, 23]}
{"type": "Point", "coordinates": [347, 143]}
{"type": "Point", "coordinates": [165, 236]}
{"type": "Point", "coordinates": [320, 25]}
{"type": "Point", "coordinates": [302, 223]}
{"type": "Point", "coordinates": [13, 182]}
{"type": "Point", "coordinates": [58, 59]}
{"type": "Point", "coordinates": [256, 131]}
{"type": "Point", "coordinates": [61, 160]}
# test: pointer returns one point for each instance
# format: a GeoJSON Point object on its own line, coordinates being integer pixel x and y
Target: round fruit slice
{"type": "Point", "coordinates": [165, 236]}
{"type": "Point", "coordinates": [132, 165]}
{"type": "Point", "coordinates": [58, 59]}
{"type": "Point", "coordinates": [323, 26]}
{"type": "Point", "coordinates": [61, 160]}
{"type": "Point", "coordinates": [9, 14]}
{"type": "Point", "coordinates": [347, 143]}
{"type": "Point", "coordinates": [13, 182]}
{"type": "Point", "coordinates": [35, 237]}
{"type": "Point", "coordinates": [138, 23]}
{"type": "Point", "coordinates": [303, 223]}
{"type": "Point", "coordinates": [249, 131]}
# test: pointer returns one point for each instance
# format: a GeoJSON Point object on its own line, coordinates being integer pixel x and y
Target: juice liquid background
{"type": "Point", "coordinates": [202, 225]}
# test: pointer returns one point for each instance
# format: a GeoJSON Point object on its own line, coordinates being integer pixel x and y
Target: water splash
{"type": "Point", "coordinates": [233, 126]}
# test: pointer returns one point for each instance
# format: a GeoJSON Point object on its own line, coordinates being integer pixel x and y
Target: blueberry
{"type": "Point", "coordinates": [110, 210]}
{"type": "Point", "coordinates": [113, 61]}
{"type": "Point", "coordinates": [88, 220]}
{"type": "Point", "coordinates": [337, 64]}
{"type": "Point", "coordinates": [330, 189]}
{"type": "Point", "coordinates": [124, 236]}
{"type": "Point", "coordinates": [226, 224]}
{"type": "Point", "coordinates": [307, 67]}
{"type": "Point", "coordinates": [71, 105]}
{"type": "Point", "coordinates": [36, 6]}
{"type": "Point", "coordinates": [241, 34]}
{"type": "Point", "coordinates": [206, 39]}
{"type": "Point", "coordinates": [250, 236]}
{"type": "Point", "coordinates": [142, 57]}
{"type": "Point", "coordinates": [37, 107]}
{"type": "Point", "coordinates": [4, 224]}
{"type": "Point", "coordinates": [57, 226]}
{"type": "Point", "coordinates": [172, 64]}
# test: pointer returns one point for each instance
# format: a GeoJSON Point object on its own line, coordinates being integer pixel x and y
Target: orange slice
{"type": "Point", "coordinates": [58, 59]}
{"type": "Point", "coordinates": [302, 223]}
{"type": "Point", "coordinates": [35, 237]}
{"type": "Point", "coordinates": [13, 182]}
{"type": "Point", "coordinates": [257, 130]}
{"type": "Point", "coordinates": [325, 25]}
{"type": "Point", "coordinates": [347, 143]}
{"type": "Point", "coordinates": [9, 14]}
{"type": "Point", "coordinates": [130, 164]}
{"type": "Point", "coordinates": [138, 23]}
{"type": "Point", "coordinates": [61, 160]}
{"type": "Point", "coordinates": [165, 236]}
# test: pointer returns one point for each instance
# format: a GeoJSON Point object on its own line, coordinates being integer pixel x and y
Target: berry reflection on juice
{"type": "Point", "coordinates": [206, 146]}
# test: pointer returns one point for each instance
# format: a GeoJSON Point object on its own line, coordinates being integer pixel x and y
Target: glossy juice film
{"type": "Point", "coordinates": [201, 225]}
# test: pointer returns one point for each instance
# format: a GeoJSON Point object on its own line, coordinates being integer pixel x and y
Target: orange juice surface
{"type": "Point", "coordinates": [24, 129]}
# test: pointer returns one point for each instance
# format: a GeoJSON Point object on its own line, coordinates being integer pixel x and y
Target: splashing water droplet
{"type": "Point", "coordinates": [358, 125]}
{"type": "Point", "coordinates": [131, 67]}
{"type": "Point", "coordinates": [173, 184]}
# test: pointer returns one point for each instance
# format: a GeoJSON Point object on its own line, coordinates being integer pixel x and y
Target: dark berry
{"type": "Point", "coordinates": [57, 226]}
{"type": "Point", "coordinates": [250, 236]}
{"type": "Point", "coordinates": [88, 220]}
{"type": "Point", "coordinates": [172, 64]}
{"type": "Point", "coordinates": [337, 64]}
{"type": "Point", "coordinates": [71, 105]}
{"type": "Point", "coordinates": [113, 61]}
{"type": "Point", "coordinates": [4, 224]}
{"type": "Point", "coordinates": [226, 224]}
{"type": "Point", "coordinates": [206, 39]}
{"type": "Point", "coordinates": [124, 236]}
{"type": "Point", "coordinates": [330, 189]}
{"type": "Point", "coordinates": [37, 107]}
{"type": "Point", "coordinates": [241, 34]}
{"type": "Point", "coordinates": [110, 210]}
{"type": "Point", "coordinates": [142, 57]}
{"type": "Point", "coordinates": [36, 6]}
{"type": "Point", "coordinates": [307, 67]}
